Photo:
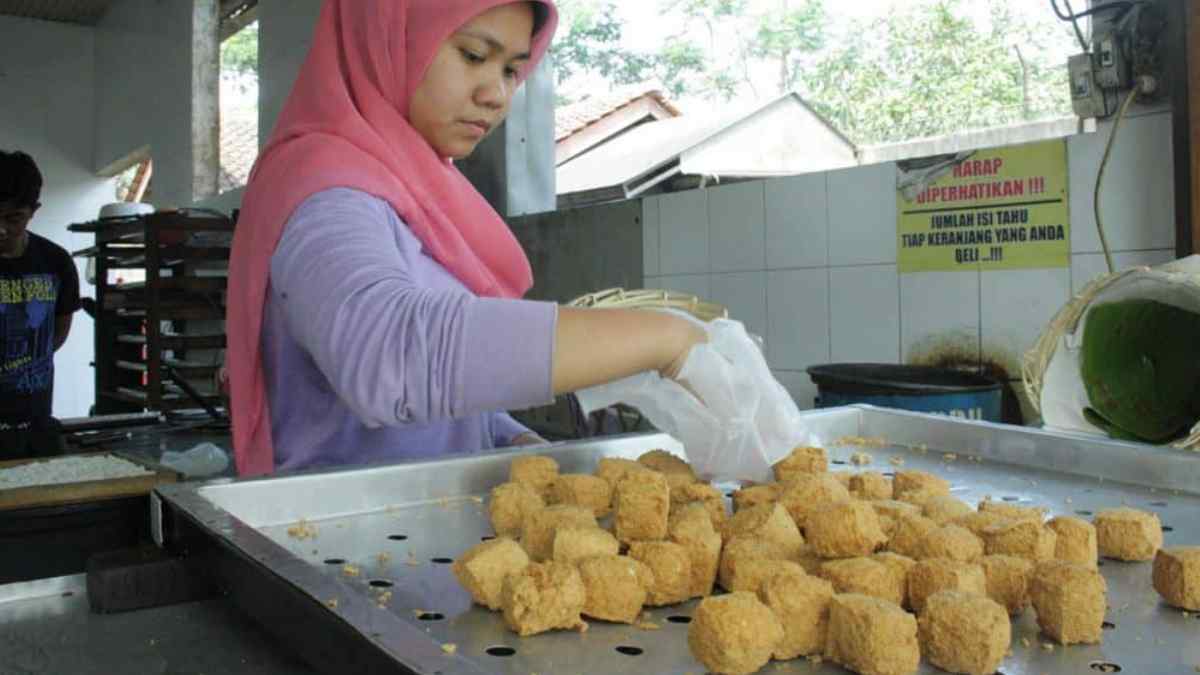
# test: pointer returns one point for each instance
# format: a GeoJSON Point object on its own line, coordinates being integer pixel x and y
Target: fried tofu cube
{"type": "Point", "coordinates": [701, 493]}
{"type": "Point", "coordinates": [734, 634]}
{"type": "Point", "coordinates": [809, 560]}
{"type": "Point", "coordinates": [869, 635]}
{"type": "Point", "coordinates": [1076, 540]}
{"type": "Point", "coordinates": [743, 561]}
{"type": "Point", "coordinates": [1070, 601]}
{"type": "Point", "coordinates": [894, 509]}
{"type": "Point", "coordinates": [909, 532]}
{"type": "Point", "coordinates": [801, 461]}
{"type": "Point", "coordinates": [613, 469]}
{"type": "Point", "coordinates": [919, 497]}
{"type": "Point", "coordinates": [616, 586]}
{"type": "Point", "coordinates": [769, 522]}
{"type": "Point", "coordinates": [918, 481]}
{"type": "Point", "coordinates": [870, 486]}
{"type": "Point", "coordinates": [1128, 534]}
{"type": "Point", "coordinates": [899, 566]}
{"type": "Point", "coordinates": [979, 521]}
{"type": "Point", "coordinates": [1177, 576]}
{"type": "Point", "coordinates": [1012, 511]}
{"type": "Point", "coordinates": [543, 597]}
{"type": "Point", "coordinates": [540, 526]}
{"type": "Point", "coordinates": [691, 528]}
{"type": "Point", "coordinates": [678, 481]}
{"type": "Point", "coordinates": [643, 506]}
{"type": "Point", "coordinates": [806, 493]}
{"type": "Point", "coordinates": [580, 489]}
{"type": "Point", "coordinates": [951, 541]}
{"type": "Point", "coordinates": [482, 569]}
{"type": "Point", "coordinates": [864, 576]}
{"type": "Point", "coordinates": [1028, 539]}
{"type": "Point", "coordinates": [1008, 581]}
{"type": "Point", "coordinates": [535, 471]}
{"type": "Point", "coordinates": [572, 544]}
{"type": "Point", "coordinates": [756, 495]}
{"type": "Point", "coordinates": [664, 462]}
{"type": "Point", "coordinates": [843, 477]}
{"type": "Point", "coordinates": [672, 567]}
{"type": "Point", "coordinates": [938, 574]}
{"type": "Point", "coordinates": [964, 633]}
{"type": "Point", "coordinates": [844, 530]}
{"type": "Point", "coordinates": [802, 604]}
{"type": "Point", "coordinates": [945, 509]}
{"type": "Point", "coordinates": [510, 504]}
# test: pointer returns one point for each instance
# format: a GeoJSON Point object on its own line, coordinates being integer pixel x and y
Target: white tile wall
{"type": "Point", "coordinates": [799, 385]}
{"type": "Point", "coordinates": [1015, 306]}
{"type": "Point", "coordinates": [695, 284]}
{"type": "Point", "coordinates": [683, 227]}
{"type": "Point", "coordinates": [831, 286]}
{"type": "Point", "coordinates": [797, 212]}
{"type": "Point", "coordinates": [797, 318]}
{"type": "Point", "coordinates": [737, 226]}
{"type": "Point", "coordinates": [864, 309]}
{"type": "Point", "coordinates": [650, 235]}
{"type": "Point", "coordinates": [862, 215]}
{"type": "Point", "coordinates": [1138, 196]}
{"type": "Point", "coordinates": [939, 310]}
{"type": "Point", "coordinates": [744, 294]}
{"type": "Point", "coordinates": [1088, 266]}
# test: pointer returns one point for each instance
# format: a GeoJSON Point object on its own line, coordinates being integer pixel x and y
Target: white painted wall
{"type": "Point", "coordinates": [47, 81]}
{"type": "Point", "coordinates": [143, 65]}
{"type": "Point", "coordinates": [809, 262]}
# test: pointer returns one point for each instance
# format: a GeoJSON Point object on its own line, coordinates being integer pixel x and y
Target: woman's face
{"type": "Point", "coordinates": [468, 87]}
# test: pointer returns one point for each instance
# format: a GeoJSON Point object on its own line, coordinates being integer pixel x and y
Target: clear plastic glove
{"type": "Point", "coordinates": [726, 408]}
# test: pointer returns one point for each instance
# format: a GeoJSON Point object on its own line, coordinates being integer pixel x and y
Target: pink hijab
{"type": "Point", "coordinates": [345, 125]}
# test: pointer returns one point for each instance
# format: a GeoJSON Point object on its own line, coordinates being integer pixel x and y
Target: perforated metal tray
{"type": "Point", "coordinates": [400, 526]}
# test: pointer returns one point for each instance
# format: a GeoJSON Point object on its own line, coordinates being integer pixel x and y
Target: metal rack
{"type": "Point", "coordinates": [148, 333]}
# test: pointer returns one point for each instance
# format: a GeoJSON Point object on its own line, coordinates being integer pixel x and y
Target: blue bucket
{"type": "Point", "coordinates": [918, 388]}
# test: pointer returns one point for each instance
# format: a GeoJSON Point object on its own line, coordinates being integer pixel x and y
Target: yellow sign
{"type": "Point", "coordinates": [998, 209]}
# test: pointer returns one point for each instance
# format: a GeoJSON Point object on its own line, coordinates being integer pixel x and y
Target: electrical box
{"type": "Point", "coordinates": [1087, 97]}
{"type": "Point", "coordinates": [1110, 61]}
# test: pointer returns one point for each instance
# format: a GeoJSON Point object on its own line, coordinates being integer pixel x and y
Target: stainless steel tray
{"type": "Point", "coordinates": [399, 527]}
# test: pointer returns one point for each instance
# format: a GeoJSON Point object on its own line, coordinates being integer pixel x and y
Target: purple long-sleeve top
{"type": "Point", "coordinates": [373, 352]}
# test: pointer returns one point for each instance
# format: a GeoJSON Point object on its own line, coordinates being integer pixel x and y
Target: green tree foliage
{"type": "Point", "coordinates": [929, 70]}
{"type": "Point", "coordinates": [589, 44]}
{"type": "Point", "coordinates": [239, 54]}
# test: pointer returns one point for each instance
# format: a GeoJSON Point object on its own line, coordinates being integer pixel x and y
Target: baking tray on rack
{"type": "Point", "coordinates": [399, 526]}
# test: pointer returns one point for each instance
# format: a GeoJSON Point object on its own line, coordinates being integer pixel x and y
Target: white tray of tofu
{"type": "Point", "coordinates": [892, 542]}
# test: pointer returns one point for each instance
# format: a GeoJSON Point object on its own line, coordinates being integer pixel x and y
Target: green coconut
{"type": "Point", "coordinates": [1141, 369]}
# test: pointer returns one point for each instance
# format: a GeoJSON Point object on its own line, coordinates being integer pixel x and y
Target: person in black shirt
{"type": "Point", "coordinates": [39, 291]}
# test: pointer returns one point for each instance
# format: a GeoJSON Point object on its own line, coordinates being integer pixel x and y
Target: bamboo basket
{"type": "Point", "coordinates": [1036, 361]}
{"type": "Point", "coordinates": [619, 298]}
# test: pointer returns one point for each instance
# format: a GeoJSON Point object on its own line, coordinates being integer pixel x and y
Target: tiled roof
{"type": "Point", "coordinates": [239, 146]}
{"type": "Point", "coordinates": [569, 119]}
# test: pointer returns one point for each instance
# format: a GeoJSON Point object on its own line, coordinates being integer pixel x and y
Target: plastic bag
{"type": "Point", "coordinates": [731, 415]}
{"type": "Point", "coordinates": [203, 460]}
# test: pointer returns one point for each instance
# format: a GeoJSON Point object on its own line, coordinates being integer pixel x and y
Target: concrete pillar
{"type": "Point", "coordinates": [206, 104]}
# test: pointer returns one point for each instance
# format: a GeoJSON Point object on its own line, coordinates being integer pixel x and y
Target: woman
{"type": "Point", "coordinates": [374, 309]}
